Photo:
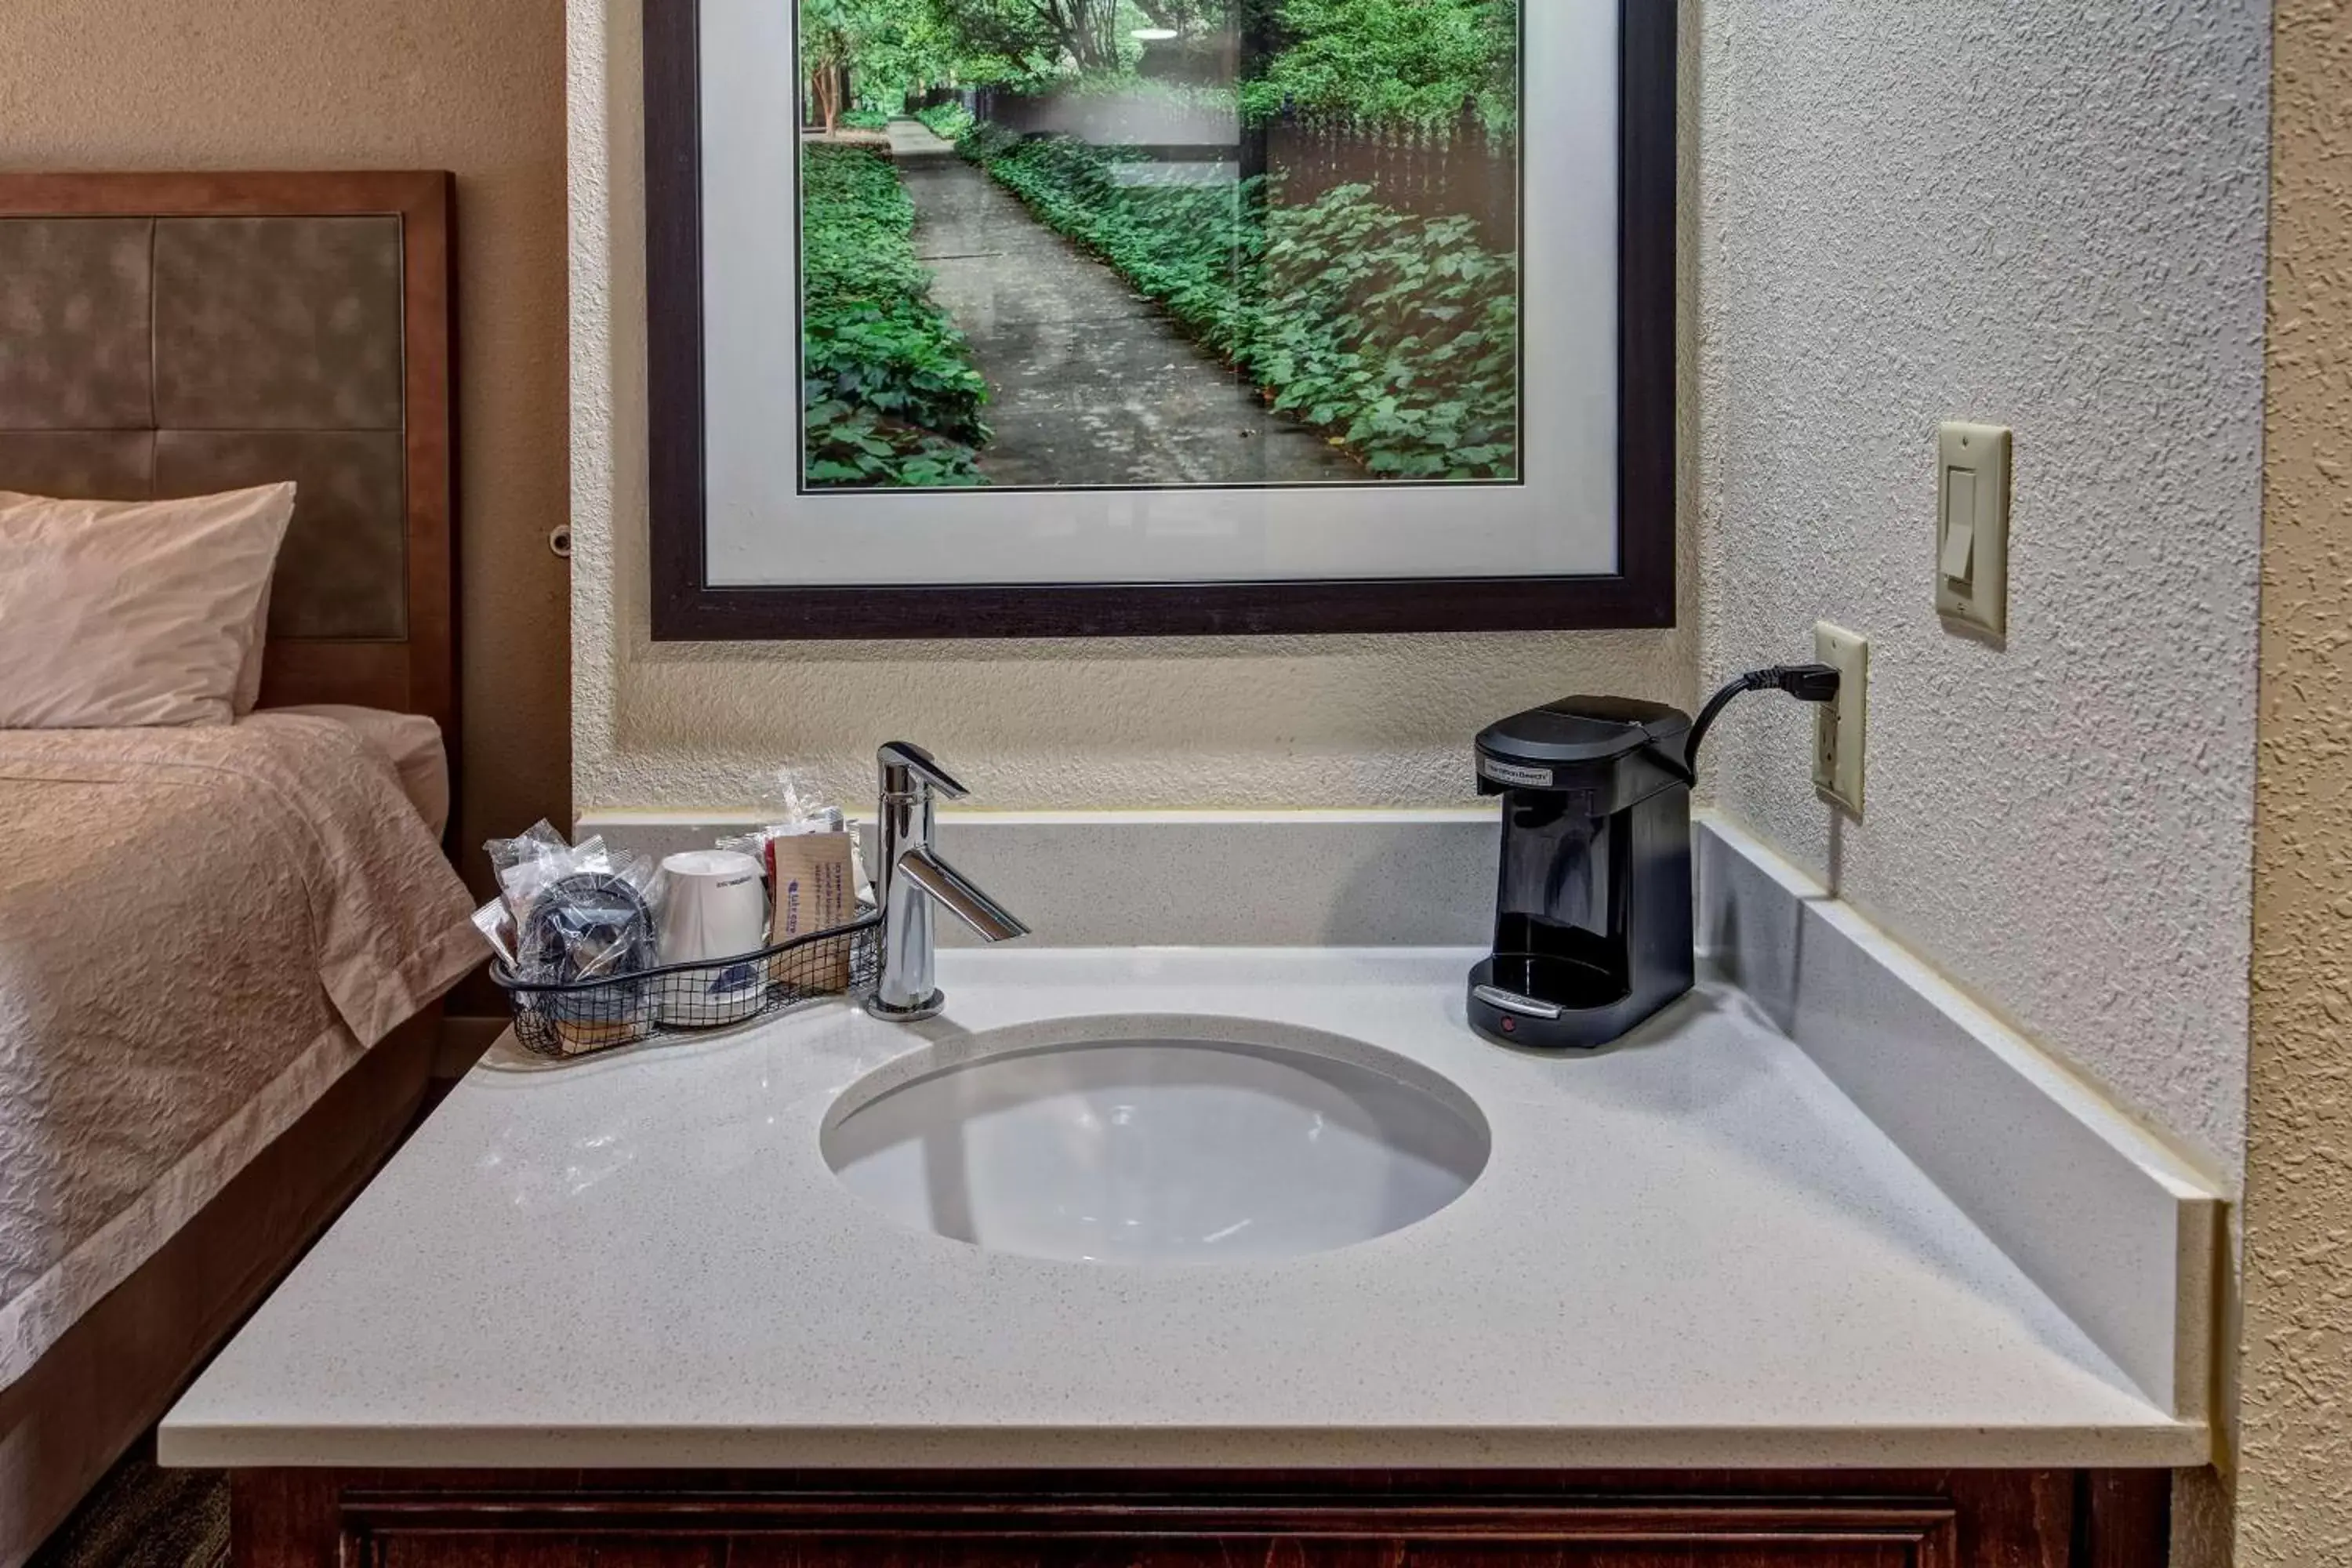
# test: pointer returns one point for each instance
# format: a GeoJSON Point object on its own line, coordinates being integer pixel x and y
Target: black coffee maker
{"type": "Point", "coordinates": [1593, 916]}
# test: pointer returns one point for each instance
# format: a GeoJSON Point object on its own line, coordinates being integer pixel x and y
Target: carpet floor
{"type": "Point", "coordinates": [144, 1517]}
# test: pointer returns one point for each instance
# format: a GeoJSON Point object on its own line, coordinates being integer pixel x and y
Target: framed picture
{"type": "Point", "coordinates": [1067, 318]}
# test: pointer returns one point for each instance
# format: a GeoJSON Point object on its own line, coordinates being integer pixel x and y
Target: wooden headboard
{"type": "Point", "coordinates": [177, 335]}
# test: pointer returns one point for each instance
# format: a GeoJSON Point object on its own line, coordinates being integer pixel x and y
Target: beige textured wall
{"type": "Point", "coordinates": [473, 86]}
{"type": "Point", "coordinates": [2294, 1499]}
{"type": "Point", "coordinates": [1276, 721]}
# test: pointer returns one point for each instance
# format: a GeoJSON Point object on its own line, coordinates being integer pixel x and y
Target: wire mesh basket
{"type": "Point", "coordinates": [581, 1017]}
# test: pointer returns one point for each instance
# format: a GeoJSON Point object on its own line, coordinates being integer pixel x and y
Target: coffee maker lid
{"type": "Point", "coordinates": [1581, 729]}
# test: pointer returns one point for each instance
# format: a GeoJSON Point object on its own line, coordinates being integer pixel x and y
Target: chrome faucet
{"type": "Point", "coordinates": [912, 878]}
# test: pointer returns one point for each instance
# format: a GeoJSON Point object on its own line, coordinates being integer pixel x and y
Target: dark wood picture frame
{"type": "Point", "coordinates": [686, 607]}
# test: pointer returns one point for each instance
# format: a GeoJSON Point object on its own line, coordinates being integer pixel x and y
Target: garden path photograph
{"type": "Point", "coordinates": [1150, 244]}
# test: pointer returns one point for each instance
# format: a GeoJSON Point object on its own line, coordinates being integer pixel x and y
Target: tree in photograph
{"type": "Point", "coordinates": [1087, 34]}
{"type": "Point", "coordinates": [1189, 18]}
{"type": "Point", "coordinates": [1027, 41]}
{"type": "Point", "coordinates": [1398, 62]}
{"type": "Point", "coordinates": [902, 48]}
{"type": "Point", "coordinates": [873, 51]}
{"type": "Point", "coordinates": [831, 31]}
{"type": "Point", "coordinates": [1206, 43]}
{"type": "Point", "coordinates": [995, 40]}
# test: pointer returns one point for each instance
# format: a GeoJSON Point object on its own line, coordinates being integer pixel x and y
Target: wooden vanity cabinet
{"type": "Point", "coordinates": [1968, 1519]}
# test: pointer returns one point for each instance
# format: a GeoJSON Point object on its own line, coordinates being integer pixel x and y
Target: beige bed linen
{"type": "Point", "coordinates": [200, 930]}
{"type": "Point", "coordinates": [411, 742]}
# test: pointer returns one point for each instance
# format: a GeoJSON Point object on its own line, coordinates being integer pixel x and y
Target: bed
{"type": "Point", "coordinates": [221, 948]}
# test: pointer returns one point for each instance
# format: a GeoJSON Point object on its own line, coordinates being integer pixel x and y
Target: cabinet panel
{"type": "Point", "coordinates": [523, 1531]}
{"type": "Point", "coordinates": [501, 1550]}
{"type": "Point", "coordinates": [441, 1550]}
{"type": "Point", "coordinates": [1244, 1552]}
{"type": "Point", "coordinates": [462, 1551]}
{"type": "Point", "coordinates": [1960, 1519]}
{"type": "Point", "coordinates": [1825, 1553]}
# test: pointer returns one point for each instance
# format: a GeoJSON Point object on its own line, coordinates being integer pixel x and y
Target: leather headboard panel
{"type": "Point", "coordinates": [179, 335]}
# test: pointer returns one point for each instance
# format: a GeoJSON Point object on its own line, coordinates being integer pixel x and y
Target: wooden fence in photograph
{"type": "Point", "coordinates": [1430, 171]}
{"type": "Point", "coordinates": [1434, 172]}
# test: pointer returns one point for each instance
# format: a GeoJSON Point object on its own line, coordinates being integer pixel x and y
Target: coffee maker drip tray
{"type": "Point", "coordinates": [1533, 999]}
{"type": "Point", "coordinates": [1569, 981]}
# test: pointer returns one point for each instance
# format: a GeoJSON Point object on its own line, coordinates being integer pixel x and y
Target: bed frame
{"type": "Point", "coordinates": [197, 332]}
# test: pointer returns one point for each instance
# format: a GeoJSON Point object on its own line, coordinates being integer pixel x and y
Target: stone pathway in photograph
{"type": "Point", "coordinates": [1090, 384]}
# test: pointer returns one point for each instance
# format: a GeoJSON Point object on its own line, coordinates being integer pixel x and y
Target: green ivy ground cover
{"type": "Point", "coordinates": [891, 393]}
{"type": "Point", "coordinates": [949, 119]}
{"type": "Point", "coordinates": [1397, 336]}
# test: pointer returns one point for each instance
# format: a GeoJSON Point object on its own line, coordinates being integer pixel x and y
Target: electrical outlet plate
{"type": "Point", "coordinates": [1839, 727]}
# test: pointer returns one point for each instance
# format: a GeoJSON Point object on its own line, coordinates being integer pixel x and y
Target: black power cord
{"type": "Point", "coordinates": [1805, 682]}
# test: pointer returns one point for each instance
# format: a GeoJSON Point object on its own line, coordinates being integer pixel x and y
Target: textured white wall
{"type": "Point", "coordinates": [1213, 722]}
{"type": "Point", "coordinates": [2049, 218]}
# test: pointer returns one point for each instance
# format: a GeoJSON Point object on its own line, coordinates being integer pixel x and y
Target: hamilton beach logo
{"type": "Point", "coordinates": [1512, 774]}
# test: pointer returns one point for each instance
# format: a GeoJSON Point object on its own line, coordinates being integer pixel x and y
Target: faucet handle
{"type": "Point", "coordinates": [901, 760]}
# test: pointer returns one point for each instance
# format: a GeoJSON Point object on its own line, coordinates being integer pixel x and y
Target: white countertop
{"type": "Point", "coordinates": [1689, 1251]}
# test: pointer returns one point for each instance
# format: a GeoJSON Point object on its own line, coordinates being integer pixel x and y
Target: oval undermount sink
{"type": "Point", "coordinates": [1156, 1141]}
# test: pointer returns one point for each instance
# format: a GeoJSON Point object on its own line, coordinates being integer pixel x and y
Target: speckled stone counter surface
{"type": "Point", "coordinates": [1691, 1251]}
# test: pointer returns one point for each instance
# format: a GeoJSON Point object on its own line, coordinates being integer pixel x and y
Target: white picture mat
{"type": "Point", "coordinates": [761, 532]}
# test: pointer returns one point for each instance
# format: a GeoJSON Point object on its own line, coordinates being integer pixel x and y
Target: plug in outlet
{"type": "Point", "coordinates": [1839, 726]}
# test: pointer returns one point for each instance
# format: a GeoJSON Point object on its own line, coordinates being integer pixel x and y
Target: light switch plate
{"type": "Point", "coordinates": [1972, 526]}
{"type": "Point", "coordinates": [1839, 727]}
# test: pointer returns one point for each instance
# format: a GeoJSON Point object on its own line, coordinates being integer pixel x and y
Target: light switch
{"type": "Point", "coordinates": [1972, 526]}
{"type": "Point", "coordinates": [1960, 523]}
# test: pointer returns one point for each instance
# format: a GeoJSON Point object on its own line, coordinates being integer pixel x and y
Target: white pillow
{"type": "Point", "coordinates": [122, 614]}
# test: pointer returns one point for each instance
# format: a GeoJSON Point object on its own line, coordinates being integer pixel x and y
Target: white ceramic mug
{"type": "Point", "coordinates": [714, 906]}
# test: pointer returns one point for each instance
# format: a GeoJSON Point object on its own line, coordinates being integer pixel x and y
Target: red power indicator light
{"type": "Point", "coordinates": [1510, 1025]}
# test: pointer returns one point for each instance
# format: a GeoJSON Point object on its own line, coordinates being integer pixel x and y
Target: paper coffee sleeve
{"type": "Point", "coordinates": [813, 889]}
